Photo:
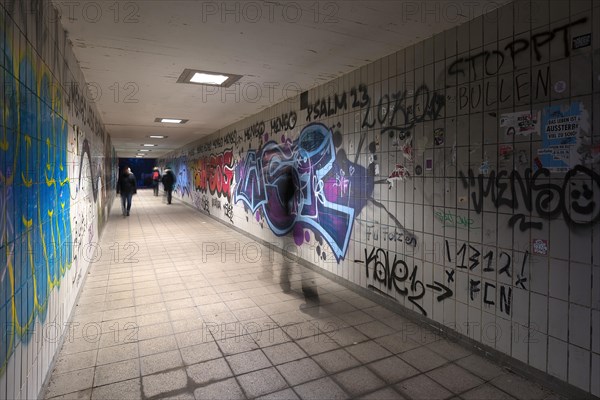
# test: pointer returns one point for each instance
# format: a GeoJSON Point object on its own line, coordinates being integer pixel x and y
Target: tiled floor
{"type": "Point", "coordinates": [157, 319]}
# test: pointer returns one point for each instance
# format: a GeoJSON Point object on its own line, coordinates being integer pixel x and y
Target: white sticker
{"type": "Point", "coordinates": [560, 86]}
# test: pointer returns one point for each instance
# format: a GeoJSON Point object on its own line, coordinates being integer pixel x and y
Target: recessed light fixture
{"type": "Point", "coordinates": [148, 145]}
{"type": "Point", "coordinates": [207, 78]}
{"type": "Point", "coordinates": [139, 156]}
{"type": "Point", "coordinates": [143, 150]}
{"type": "Point", "coordinates": [157, 137]}
{"type": "Point", "coordinates": [171, 120]}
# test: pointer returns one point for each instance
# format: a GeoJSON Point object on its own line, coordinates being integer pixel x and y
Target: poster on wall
{"type": "Point", "coordinates": [522, 123]}
{"type": "Point", "coordinates": [561, 126]}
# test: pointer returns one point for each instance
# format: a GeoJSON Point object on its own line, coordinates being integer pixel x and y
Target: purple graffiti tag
{"type": "Point", "coordinates": [301, 185]}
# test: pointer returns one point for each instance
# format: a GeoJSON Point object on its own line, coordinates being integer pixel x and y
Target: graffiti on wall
{"type": "Point", "coordinates": [214, 174]}
{"type": "Point", "coordinates": [397, 113]}
{"type": "Point", "coordinates": [304, 184]}
{"type": "Point", "coordinates": [394, 275]}
{"type": "Point", "coordinates": [35, 228]}
{"type": "Point", "coordinates": [523, 86]}
{"type": "Point", "coordinates": [573, 199]}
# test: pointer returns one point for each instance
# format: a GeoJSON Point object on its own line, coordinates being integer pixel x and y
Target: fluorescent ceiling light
{"type": "Point", "coordinates": [157, 137]}
{"type": "Point", "coordinates": [143, 150]}
{"type": "Point", "coordinates": [207, 78]}
{"type": "Point", "coordinates": [171, 120]}
{"type": "Point", "coordinates": [139, 156]}
{"type": "Point", "coordinates": [149, 145]}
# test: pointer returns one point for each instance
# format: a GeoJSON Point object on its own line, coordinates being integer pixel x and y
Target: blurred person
{"type": "Point", "coordinates": [155, 180]}
{"type": "Point", "coordinates": [168, 181]}
{"type": "Point", "coordinates": [289, 192]}
{"type": "Point", "coordinates": [126, 187]}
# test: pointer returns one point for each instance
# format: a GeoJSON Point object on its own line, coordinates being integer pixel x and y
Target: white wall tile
{"type": "Point", "coordinates": [489, 329]}
{"type": "Point", "coordinates": [596, 331]}
{"type": "Point", "coordinates": [538, 347]}
{"type": "Point", "coordinates": [595, 374]}
{"type": "Point", "coordinates": [557, 318]}
{"type": "Point", "coordinates": [596, 288]}
{"type": "Point", "coordinates": [580, 283]}
{"type": "Point", "coordinates": [579, 367]}
{"type": "Point", "coordinates": [520, 342]}
{"type": "Point", "coordinates": [520, 307]}
{"type": "Point", "coordinates": [539, 312]}
{"type": "Point", "coordinates": [579, 326]}
{"type": "Point", "coordinates": [557, 358]}
{"type": "Point", "coordinates": [559, 279]}
{"type": "Point", "coordinates": [503, 341]}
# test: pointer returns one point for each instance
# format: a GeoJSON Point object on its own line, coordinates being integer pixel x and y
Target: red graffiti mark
{"type": "Point", "coordinates": [215, 173]}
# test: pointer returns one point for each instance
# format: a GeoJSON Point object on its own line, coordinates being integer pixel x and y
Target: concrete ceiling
{"type": "Point", "coordinates": [132, 53]}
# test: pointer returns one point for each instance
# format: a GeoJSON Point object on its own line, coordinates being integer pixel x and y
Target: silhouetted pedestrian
{"type": "Point", "coordinates": [155, 180]}
{"type": "Point", "coordinates": [168, 181]}
{"type": "Point", "coordinates": [126, 187]}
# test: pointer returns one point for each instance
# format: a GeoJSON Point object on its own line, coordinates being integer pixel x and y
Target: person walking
{"type": "Point", "coordinates": [126, 187]}
{"type": "Point", "coordinates": [155, 180]}
{"type": "Point", "coordinates": [168, 181]}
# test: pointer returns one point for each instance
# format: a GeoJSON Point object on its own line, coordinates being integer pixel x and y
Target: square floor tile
{"type": "Point", "coordinates": [157, 345]}
{"type": "Point", "coordinates": [208, 371]}
{"type": "Point", "coordinates": [160, 362]}
{"type": "Point", "coordinates": [449, 350]}
{"type": "Point", "coordinates": [483, 368]}
{"type": "Point", "coordinates": [200, 352]}
{"type": "Point", "coordinates": [70, 382]}
{"type": "Point", "coordinates": [109, 355]}
{"type": "Point", "coordinates": [164, 382]}
{"type": "Point", "coordinates": [300, 371]}
{"type": "Point", "coordinates": [261, 382]}
{"type": "Point", "coordinates": [454, 378]}
{"type": "Point", "coordinates": [317, 344]}
{"type": "Point", "coordinates": [374, 329]}
{"type": "Point", "coordinates": [397, 343]}
{"type": "Point", "coordinates": [227, 389]}
{"type": "Point", "coordinates": [347, 336]}
{"type": "Point", "coordinates": [383, 394]}
{"type": "Point", "coordinates": [237, 344]}
{"type": "Point", "coordinates": [423, 359]}
{"type": "Point", "coordinates": [324, 388]}
{"type": "Point", "coordinates": [356, 317]}
{"type": "Point", "coordinates": [126, 390]}
{"type": "Point", "coordinates": [287, 394]}
{"type": "Point", "coordinates": [392, 369]}
{"type": "Point", "coordinates": [335, 361]}
{"type": "Point", "coordinates": [116, 372]}
{"type": "Point", "coordinates": [368, 351]}
{"type": "Point", "coordinates": [422, 388]}
{"type": "Point", "coordinates": [520, 388]}
{"type": "Point", "coordinates": [248, 362]}
{"type": "Point", "coordinates": [486, 392]}
{"type": "Point", "coordinates": [284, 352]}
{"type": "Point", "coordinates": [358, 381]}
{"type": "Point", "coordinates": [72, 362]}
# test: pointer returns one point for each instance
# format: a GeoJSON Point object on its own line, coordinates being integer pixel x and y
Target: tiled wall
{"type": "Point", "coordinates": [459, 176]}
{"type": "Point", "coordinates": [56, 175]}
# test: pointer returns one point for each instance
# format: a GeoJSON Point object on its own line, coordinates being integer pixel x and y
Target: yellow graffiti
{"type": "Point", "coordinates": [33, 136]}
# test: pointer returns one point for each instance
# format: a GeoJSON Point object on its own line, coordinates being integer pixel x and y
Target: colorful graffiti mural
{"type": "Point", "coordinates": [305, 184]}
{"type": "Point", "coordinates": [215, 174]}
{"type": "Point", "coordinates": [35, 228]}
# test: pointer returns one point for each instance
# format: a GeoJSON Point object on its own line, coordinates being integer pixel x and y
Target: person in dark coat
{"type": "Point", "coordinates": [126, 187]}
{"type": "Point", "coordinates": [168, 181]}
